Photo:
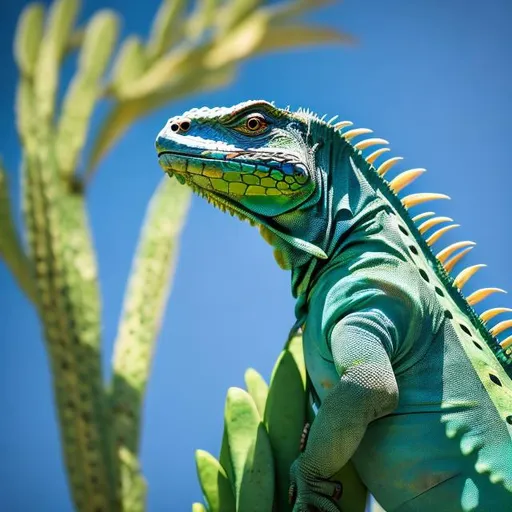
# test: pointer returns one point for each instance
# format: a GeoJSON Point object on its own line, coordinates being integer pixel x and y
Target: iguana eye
{"type": "Point", "coordinates": [253, 124]}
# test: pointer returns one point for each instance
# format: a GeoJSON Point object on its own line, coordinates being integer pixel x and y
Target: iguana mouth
{"type": "Point", "coordinates": [214, 197]}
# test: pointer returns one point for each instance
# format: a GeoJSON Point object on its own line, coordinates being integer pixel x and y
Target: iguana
{"type": "Point", "coordinates": [411, 384]}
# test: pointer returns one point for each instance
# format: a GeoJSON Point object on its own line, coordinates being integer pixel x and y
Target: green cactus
{"type": "Point", "coordinates": [262, 430]}
{"type": "Point", "coordinates": [184, 54]}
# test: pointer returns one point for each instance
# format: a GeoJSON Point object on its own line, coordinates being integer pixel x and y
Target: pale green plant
{"type": "Point", "coordinates": [187, 51]}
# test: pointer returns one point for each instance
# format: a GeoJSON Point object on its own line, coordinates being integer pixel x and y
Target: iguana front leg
{"type": "Point", "coordinates": [367, 390]}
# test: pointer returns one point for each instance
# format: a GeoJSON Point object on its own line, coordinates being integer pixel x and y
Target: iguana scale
{"type": "Point", "coordinates": [411, 384]}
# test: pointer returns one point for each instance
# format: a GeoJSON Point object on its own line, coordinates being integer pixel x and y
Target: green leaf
{"type": "Point", "coordinates": [167, 71]}
{"type": "Point", "coordinates": [214, 483]}
{"type": "Point", "coordinates": [127, 112]}
{"type": "Point", "coordinates": [28, 38]}
{"type": "Point", "coordinates": [249, 451]}
{"type": "Point", "coordinates": [257, 488]}
{"type": "Point", "coordinates": [198, 507]}
{"type": "Point", "coordinates": [234, 12]}
{"type": "Point", "coordinates": [85, 89]}
{"type": "Point", "coordinates": [59, 28]}
{"type": "Point", "coordinates": [132, 483]}
{"type": "Point", "coordinates": [166, 29]}
{"type": "Point", "coordinates": [285, 416]}
{"type": "Point", "coordinates": [129, 64]}
{"type": "Point", "coordinates": [11, 250]}
{"type": "Point", "coordinates": [283, 11]}
{"type": "Point", "coordinates": [202, 18]}
{"type": "Point", "coordinates": [144, 305]}
{"type": "Point", "coordinates": [68, 303]}
{"type": "Point", "coordinates": [257, 388]}
{"type": "Point", "coordinates": [295, 347]}
{"type": "Point", "coordinates": [25, 119]}
{"type": "Point", "coordinates": [292, 36]}
{"type": "Point", "coordinates": [225, 458]}
{"type": "Point", "coordinates": [240, 42]}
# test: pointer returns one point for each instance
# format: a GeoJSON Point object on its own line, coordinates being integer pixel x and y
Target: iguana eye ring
{"type": "Point", "coordinates": [254, 123]}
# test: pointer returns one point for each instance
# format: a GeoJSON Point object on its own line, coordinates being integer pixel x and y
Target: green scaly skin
{"type": "Point", "coordinates": [412, 389]}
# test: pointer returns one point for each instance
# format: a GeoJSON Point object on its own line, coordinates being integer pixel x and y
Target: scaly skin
{"type": "Point", "coordinates": [411, 386]}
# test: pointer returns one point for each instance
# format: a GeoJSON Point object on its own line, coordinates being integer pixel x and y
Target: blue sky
{"type": "Point", "coordinates": [431, 77]}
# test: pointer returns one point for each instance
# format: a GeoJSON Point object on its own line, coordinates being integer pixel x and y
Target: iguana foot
{"type": "Point", "coordinates": [308, 493]}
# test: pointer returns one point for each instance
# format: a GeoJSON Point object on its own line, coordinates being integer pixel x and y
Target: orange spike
{"type": "Point", "coordinates": [464, 276]}
{"type": "Point", "coordinates": [355, 132]}
{"type": "Point", "coordinates": [448, 251]}
{"type": "Point", "coordinates": [386, 166]}
{"type": "Point", "coordinates": [502, 326]}
{"type": "Point", "coordinates": [422, 197]}
{"type": "Point", "coordinates": [491, 313]}
{"type": "Point", "coordinates": [506, 343]}
{"type": "Point", "coordinates": [448, 266]}
{"type": "Point", "coordinates": [433, 222]}
{"type": "Point", "coordinates": [373, 156]}
{"type": "Point", "coordinates": [342, 124]}
{"type": "Point", "coordinates": [422, 216]}
{"type": "Point", "coordinates": [434, 237]}
{"type": "Point", "coordinates": [404, 178]}
{"type": "Point", "coordinates": [370, 142]}
{"type": "Point", "coordinates": [481, 294]}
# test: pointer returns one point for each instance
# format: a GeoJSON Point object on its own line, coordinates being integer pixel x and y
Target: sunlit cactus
{"type": "Point", "coordinates": [187, 51]}
{"type": "Point", "coordinates": [263, 429]}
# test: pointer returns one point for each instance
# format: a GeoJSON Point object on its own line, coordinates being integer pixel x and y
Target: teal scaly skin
{"type": "Point", "coordinates": [412, 385]}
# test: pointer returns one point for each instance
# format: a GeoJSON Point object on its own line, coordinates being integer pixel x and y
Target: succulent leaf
{"type": "Point", "coordinates": [202, 18]}
{"type": "Point", "coordinates": [292, 36]}
{"type": "Point", "coordinates": [257, 487]}
{"type": "Point", "coordinates": [240, 42]}
{"type": "Point", "coordinates": [129, 64]}
{"type": "Point", "coordinates": [214, 482]}
{"type": "Point", "coordinates": [58, 30]}
{"type": "Point", "coordinates": [285, 417]}
{"type": "Point", "coordinates": [294, 345]}
{"type": "Point", "coordinates": [11, 250]}
{"type": "Point", "coordinates": [166, 29]}
{"type": "Point", "coordinates": [250, 453]}
{"type": "Point", "coordinates": [144, 304]}
{"type": "Point", "coordinates": [234, 12]}
{"type": "Point", "coordinates": [69, 308]}
{"type": "Point", "coordinates": [28, 38]}
{"type": "Point", "coordinates": [99, 40]}
{"type": "Point", "coordinates": [257, 388]}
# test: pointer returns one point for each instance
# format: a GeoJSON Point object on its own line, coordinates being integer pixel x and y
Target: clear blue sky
{"type": "Point", "coordinates": [431, 77]}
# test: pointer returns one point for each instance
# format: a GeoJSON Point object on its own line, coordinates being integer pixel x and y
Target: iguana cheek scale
{"type": "Point", "coordinates": [412, 385]}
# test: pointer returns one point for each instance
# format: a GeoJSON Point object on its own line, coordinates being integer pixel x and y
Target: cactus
{"type": "Point", "coordinates": [262, 430]}
{"type": "Point", "coordinates": [271, 417]}
{"type": "Point", "coordinates": [184, 54]}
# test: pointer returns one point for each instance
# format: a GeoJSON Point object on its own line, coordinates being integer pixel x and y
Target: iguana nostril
{"type": "Point", "coordinates": [175, 127]}
{"type": "Point", "coordinates": [185, 125]}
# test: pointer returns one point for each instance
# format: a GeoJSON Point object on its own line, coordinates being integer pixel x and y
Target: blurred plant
{"type": "Point", "coordinates": [186, 52]}
{"type": "Point", "coordinates": [262, 437]}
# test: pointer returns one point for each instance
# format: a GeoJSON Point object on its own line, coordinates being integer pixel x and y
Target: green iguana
{"type": "Point", "coordinates": [411, 384]}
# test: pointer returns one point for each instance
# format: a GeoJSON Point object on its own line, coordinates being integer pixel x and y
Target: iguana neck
{"type": "Point", "coordinates": [343, 199]}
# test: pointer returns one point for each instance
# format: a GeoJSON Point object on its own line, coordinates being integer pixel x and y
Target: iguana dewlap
{"type": "Point", "coordinates": [412, 385]}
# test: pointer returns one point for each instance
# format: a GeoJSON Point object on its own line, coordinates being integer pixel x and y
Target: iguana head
{"type": "Point", "coordinates": [251, 159]}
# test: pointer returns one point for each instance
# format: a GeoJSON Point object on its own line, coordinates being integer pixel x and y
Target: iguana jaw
{"type": "Point", "coordinates": [183, 166]}
{"type": "Point", "coordinates": [260, 187]}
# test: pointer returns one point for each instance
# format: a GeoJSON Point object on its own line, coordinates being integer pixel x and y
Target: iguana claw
{"type": "Point", "coordinates": [304, 437]}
